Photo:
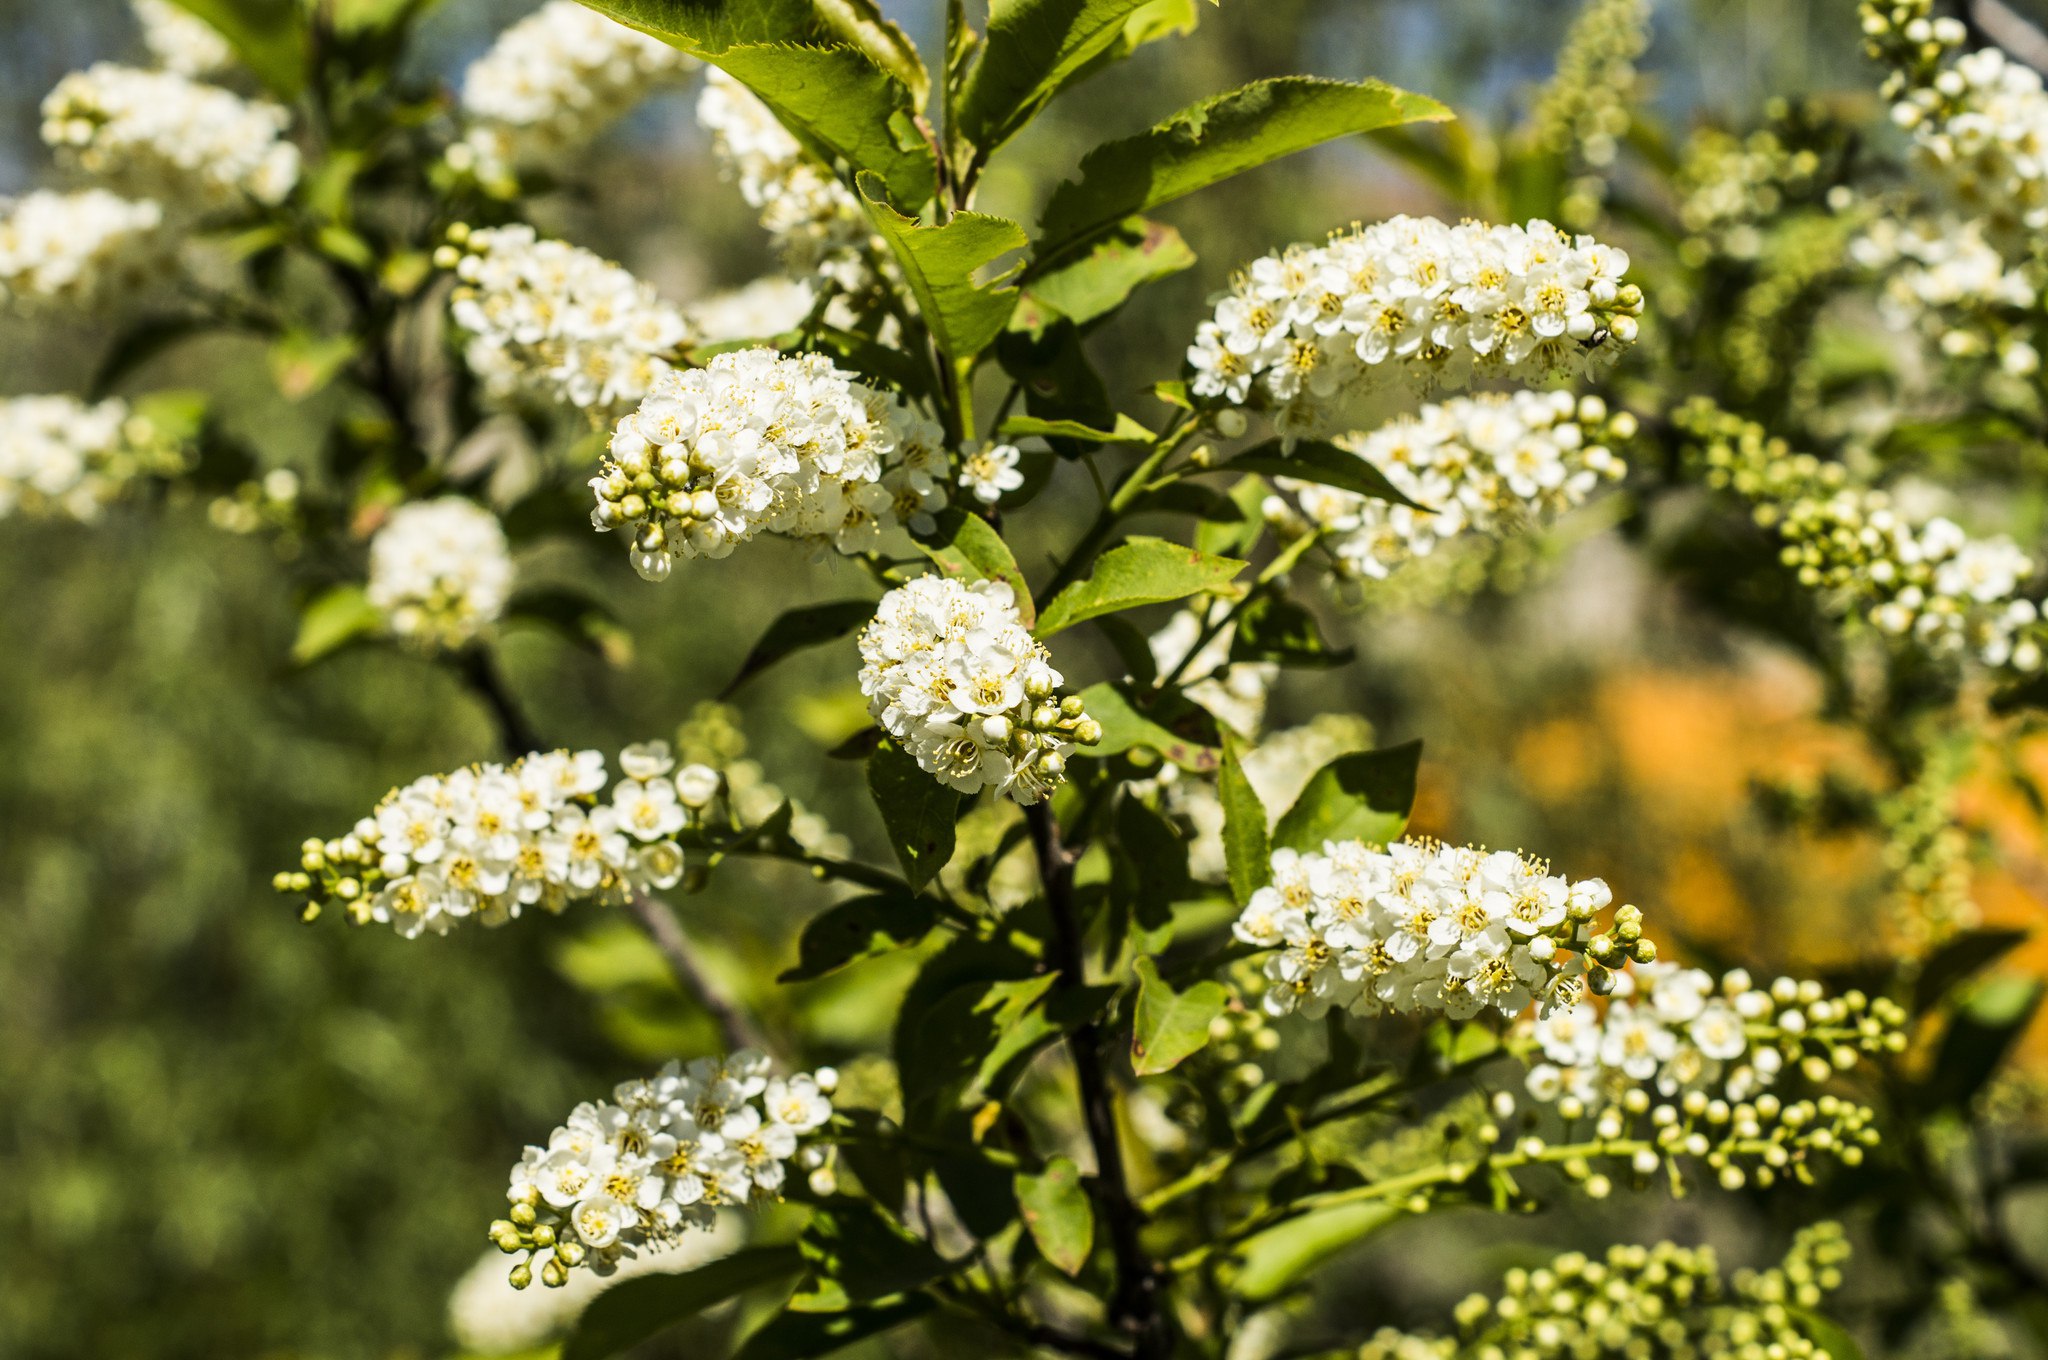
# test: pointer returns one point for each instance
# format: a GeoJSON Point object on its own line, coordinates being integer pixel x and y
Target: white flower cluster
{"type": "Point", "coordinates": [766, 307]}
{"type": "Point", "coordinates": [557, 323]}
{"type": "Point", "coordinates": [550, 84]}
{"type": "Point", "coordinates": [954, 677]}
{"type": "Point", "coordinates": [167, 137]}
{"type": "Point", "coordinates": [655, 1161]}
{"type": "Point", "coordinates": [1943, 278]}
{"type": "Point", "coordinates": [756, 442]}
{"type": "Point", "coordinates": [72, 250]}
{"type": "Point", "coordinates": [440, 571]}
{"type": "Point", "coordinates": [812, 218]}
{"type": "Point", "coordinates": [181, 41]}
{"type": "Point", "coordinates": [1488, 464]}
{"type": "Point", "coordinates": [1420, 927]}
{"type": "Point", "coordinates": [1412, 301]}
{"type": "Point", "coordinates": [59, 456]}
{"type": "Point", "coordinates": [488, 841]}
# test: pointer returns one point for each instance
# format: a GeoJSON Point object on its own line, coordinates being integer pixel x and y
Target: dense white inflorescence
{"type": "Point", "coordinates": [60, 456]}
{"type": "Point", "coordinates": [1490, 464]}
{"type": "Point", "coordinates": [755, 442]}
{"type": "Point", "coordinates": [72, 250]}
{"type": "Point", "coordinates": [954, 677]}
{"type": "Point", "coordinates": [551, 83]}
{"type": "Point", "coordinates": [1944, 279]}
{"type": "Point", "coordinates": [180, 41]}
{"type": "Point", "coordinates": [167, 137]}
{"type": "Point", "coordinates": [557, 323]}
{"type": "Point", "coordinates": [440, 572]}
{"type": "Point", "coordinates": [813, 219]}
{"type": "Point", "coordinates": [638, 1171]}
{"type": "Point", "coordinates": [1412, 302]}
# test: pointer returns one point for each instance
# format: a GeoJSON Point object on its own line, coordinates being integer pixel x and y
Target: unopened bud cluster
{"type": "Point", "coordinates": [554, 323]}
{"type": "Point", "coordinates": [161, 135]}
{"type": "Point", "coordinates": [636, 1172]}
{"type": "Point", "coordinates": [60, 457]}
{"type": "Point", "coordinates": [489, 841]}
{"type": "Point", "coordinates": [954, 677]}
{"type": "Point", "coordinates": [1584, 110]}
{"type": "Point", "coordinates": [180, 41]}
{"type": "Point", "coordinates": [440, 572]}
{"type": "Point", "coordinates": [756, 442]}
{"type": "Point", "coordinates": [1665, 1300]}
{"type": "Point", "coordinates": [1483, 465]}
{"type": "Point", "coordinates": [1929, 582]}
{"type": "Point", "coordinates": [1733, 185]}
{"type": "Point", "coordinates": [74, 250]}
{"type": "Point", "coordinates": [1927, 854]}
{"type": "Point", "coordinates": [1417, 304]}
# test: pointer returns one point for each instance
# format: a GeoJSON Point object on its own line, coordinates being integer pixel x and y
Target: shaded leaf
{"type": "Point", "coordinates": [918, 811]}
{"type": "Point", "coordinates": [1149, 872]}
{"type": "Point", "coordinates": [1247, 856]}
{"type": "Point", "coordinates": [859, 928]}
{"type": "Point", "coordinates": [1058, 381]}
{"type": "Point", "coordinates": [631, 1311]}
{"type": "Point", "coordinates": [1138, 571]}
{"type": "Point", "coordinates": [268, 35]}
{"type": "Point", "coordinates": [799, 1336]}
{"type": "Point", "coordinates": [583, 619]}
{"type": "Point", "coordinates": [1960, 959]}
{"type": "Point", "coordinates": [1139, 251]}
{"type": "Point", "coordinates": [1124, 727]}
{"type": "Point", "coordinates": [139, 344]}
{"type": "Point", "coordinates": [865, 1254]}
{"type": "Point", "coordinates": [967, 546]}
{"type": "Point", "coordinates": [1275, 628]}
{"type": "Point", "coordinates": [1363, 796]}
{"type": "Point", "coordinates": [1314, 460]}
{"type": "Point", "coordinates": [940, 263]}
{"type": "Point", "coordinates": [1982, 1033]}
{"type": "Point", "coordinates": [1032, 49]}
{"type": "Point", "coordinates": [1170, 1026]}
{"type": "Point", "coordinates": [1057, 1213]}
{"type": "Point", "coordinates": [795, 629]}
{"type": "Point", "coordinates": [335, 618]}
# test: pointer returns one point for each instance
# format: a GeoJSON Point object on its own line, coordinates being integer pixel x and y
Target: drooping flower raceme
{"type": "Point", "coordinates": [60, 456]}
{"type": "Point", "coordinates": [488, 841]}
{"type": "Point", "coordinates": [181, 41]}
{"type": "Point", "coordinates": [1488, 464]}
{"type": "Point", "coordinates": [954, 677]}
{"type": "Point", "coordinates": [551, 83]}
{"type": "Point", "coordinates": [1416, 303]}
{"type": "Point", "coordinates": [167, 137]}
{"type": "Point", "coordinates": [638, 1171]}
{"type": "Point", "coordinates": [555, 323]}
{"type": "Point", "coordinates": [756, 442]}
{"type": "Point", "coordinates": [440, 571]}
{"type": "Point", "coordinates": [73, 250]}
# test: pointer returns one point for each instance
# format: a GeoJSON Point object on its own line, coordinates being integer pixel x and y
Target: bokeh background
{"type": "Point", "coordinates": [224, 1134]}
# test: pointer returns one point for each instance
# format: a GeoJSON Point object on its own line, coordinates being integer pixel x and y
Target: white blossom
{"type": "Point", "coordinates": [954, 677]}
{"type": "Point", "coordinates": [1415, 303]}
{"type": "Point", "coordinates": [181, 41]}
{"type": "Point", "coordinates": [988, 471]}
{"type": "Point", "coordinates": [766, 307]}
{"type": "Point", "coordinates": [440, 571]}
{"type": "Point", "coordinates": [1942, 277]}
{"type": "Point", "coordinates": [553, 322]}
{"type": "Point", "coordinates": [1979, 125]}
{"type": "Point", "coordinates": [168, 137]}
{"type": "Point", "coordinates": [756, 442]}
{"type": "Point", "coordinates": [73, 250]}
{"type": "Point", "coordinates": [1233, 692]}
{"type": "Point", "coordinates": [60, 456]}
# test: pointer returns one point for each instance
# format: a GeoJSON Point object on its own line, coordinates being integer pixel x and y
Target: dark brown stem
{"type": "Point", "coordinates": [666, 931]}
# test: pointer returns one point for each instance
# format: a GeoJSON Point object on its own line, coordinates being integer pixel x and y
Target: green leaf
{"type": "Point", "coordinates": [1833, 1341]}
{"type": "Point", "coordinates": [1247, 856]}
{"type": "Point", "coordinates": [939, 263]}
{"type": "Point", "coordinates": [954, 1042]}
{"type": "Point", "coordinates": [1138, 252]}
{"type": "Point", "coordinates": [917, 810]}
{"type": "Point", "coordinates": [706, 28]}
{"type": "Point", "coordinates": [583, 619]}
{"type": "Point", "coordinates": [1982, 1033]}
{"type": "Point", "coordinates": [1170, 1026]}
{"type": "Point", "coordinates": [633, 1310]}
{"type": "Point", "coordinates": [139, 344]}
{"type": "Point", "coordinates": [1127, 431]}
{"type": "Point", "coordinates": [840, 105]}
{"type": "Point", "coordinates": [1124, 727]}
{"type": "Point", "coordinates": [1211, 141]}
{"type": "Point", "coordinates": [1313, 460]}
{"type": "Point", "coordinates": [967, 546]}
{"type": "Point", "coordinates": [861, 23]}
{"type": "Point", "coordinates": [1275, 628]}
{"type": "Point", "coordinates": [302, 363]}
{"type": "Point", "coordinates": [859, 928]}
{"type": "Point", "coordinates": [800, 1336]}
{"type": "Point", "coordinates": [1149, 871]}
{"type": "Point", "coordinates": [1033, 49]}
{"type": "Point", "coordinates": [1058, 1214]}
{"type": "Point", "coordinates": [1058, 380]}
{"type": "Point", "coordinates": [796, 629]}
{"type": "Point", "coordinates": [855, 1246]}
{"type": "Point", "coordinates": [1960, 959]}
{"type": "Point", "coordinates": [1279, 1257]}
{"type": "Point", "coordinates": [1138, 571]}
{"type": "Point", "coordinates": [1362, 796]}
{"type": "Point", "coordinates": [335, 618]}
{"type": "Point", "coordinates": [268, 35]}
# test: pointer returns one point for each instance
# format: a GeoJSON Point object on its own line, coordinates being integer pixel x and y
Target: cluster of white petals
{"type": "Point", "coordinates": [766, 307]}
{"type": "Point", "coordinates": [1420, 927]}
{"type": "Point", "coordinates": [60, 456]}
{"type": "Point", "coordinates": [553, 322]}
{"type": "Point", "coordinates": [551, 83]}
{"type": "Point", "coordinates": [813, 219]}
{"type": "Point", "coordinates": [1943, 278]}
{"type": "Point", "coordinates": [1980, 122]}
{"type": "Point", "coordinates": [1488, 464]}
{"type": "Point", "coordinates": [1415, 303]}
{"type": "Point", "coordinates": [181, 41]}
{"type": "Point", "coordinates": [72, 250]}
{"type": "Point", "coordinates": [440, 571]}
{"type": "Point", "coordinates": [954, 677]}
{"type": "Point", "coordinates": [756, 442]}
{"type": "Point", "coordinates": [489, 841]}
{"type": "Point", "coordinates": [638, 1171]}
{"type": "Point", "coordinates": [165, 136]}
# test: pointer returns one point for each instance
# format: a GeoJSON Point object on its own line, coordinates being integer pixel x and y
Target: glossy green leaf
{"type": "Point", "coordinates": [1032, 49]}
{"type": "Point", "coordinates": [1091, 286]}
{"type": "Point", "coordinates": [269, 36]}
{"type": "Point", "coordinates": [1210, 142]}
{"type": "Point", "coordinates": [1247, 855]}
{"type": "Point", "coordinates": [1125, 727]}
{"type": "Point", "coordinates": [634, 1310]}
{"type": "Point", "coordinates": [940, 264]}
{"type": "Point", "coordinates": [801, 1336]}
{"type": "Point", "coordinates": [1281, 1257]}
{"type": "Point", "coordinates": [335, 618]}
{"type": "Point", "coordinates": [796, 629]}
{"type": "Point", "coordinates": [918, 811]}
{"type": "Point", "coordinates": [1313, 460]}
{"type": "Point", "coordinates": [1363, 796]}
{"type": "Point", "coordinates": [1058, 1214]}
{"type": "Point", "coordinates": [859, 928]}
{"type": "Point", "coordinates": [841, 105]}
{"type": "Point", "coordinates": [1275, 628]}
{"type": "Point", "coordinates": [1138, 571]}
{"type": "Point", "coordinates": [967, 546]}
{"type": "Point", "coordinates": [1169, 1027]}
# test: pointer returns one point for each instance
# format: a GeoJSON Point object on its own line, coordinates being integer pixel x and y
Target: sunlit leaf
{"type": "Point", "coordinates": [940, 264]}
{"type": "Point", "coordinates": [1058, 1214]}
{"type": "Point", "coordinates": [1138, 571]}
{"type": "Point", "coordinates": [1169, 1027]}
{"type": "Point", "coordinates": [1363, 796]}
